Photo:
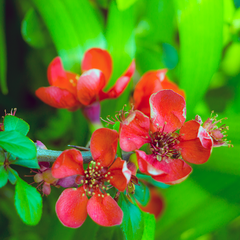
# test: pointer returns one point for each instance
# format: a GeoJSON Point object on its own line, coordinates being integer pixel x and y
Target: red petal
{"type": "Point", "coordinates": [99, 59]}
{"type": "Point", "coordinates": [134, 131]}
{"type": "Point", "coordinates": [189, 130]}
{"type": "Point", "coordinates": [152, 82]}
{"type": "Point", "coordinates": [89, 85]}
{"type": "Point", "coordinates": [104, 211]}
{"type": "Point", "coordinates": [194, 152]}
{"type": "Point", "coordinates": [69, 163]}
{"type": "Point", "coordinates": [56, 97]}
{"type": "Point", "coordinates": [58, 77]}
{"type": "Point", "coordinates": [116, 90]}
{"type": "Point", "coordinates": [195, 143]}
{"type": "Point", "coordinates": [155, 205]}
{"type": "Point", "coordinates": [177, 170]}
{"type": "Point", "coordinates": [104, 146]}
{"type": "Point", "coordinates": [120, 174]}
{"type": "Point", "coordinates": [145, 163]}
{"type": "Point", "coordinates": [169, 171]}
{"type": "Point", "coordinates": [131, 69]}
{"type": "Point", "coordinates": [168, 110]}
{"type": "Point", "coordinates": [71, 207]}
{"type": "Point", "coordinates": [55, 71]}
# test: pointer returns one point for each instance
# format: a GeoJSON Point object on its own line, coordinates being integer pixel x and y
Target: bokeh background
{"type": "Point", "coordinates": [197, 40]}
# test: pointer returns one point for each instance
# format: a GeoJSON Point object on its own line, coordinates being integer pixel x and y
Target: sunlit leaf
{"type": "Point", "coordinates": [14, 123]}
{"type": "Point", "coordinates": [18, 144]}
{"type": "Point", "coordinates": [73, 27]}
{"type": "Point", "coordinates": [123, 4]}
{"type": "Point", "coordinates": [200, 33]}
{"type": "Point", "coordinates": [28, 202]}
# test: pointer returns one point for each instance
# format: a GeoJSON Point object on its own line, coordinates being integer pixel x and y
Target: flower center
{"type": "Point", "coordinates": [162, 145]}
{"type": "Point", "coordinates": [94, 179]}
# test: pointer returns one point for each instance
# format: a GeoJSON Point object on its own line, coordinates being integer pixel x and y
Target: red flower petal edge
{"type": "Point", "coordinates": [104, 210]}
{"type": "Point", "coordinates": [99, 59]}
{"type": "Point", "coordinates": [103, 146]}
{"type": "Point", "coordinates": [71, 207]}
{"type": "Point", "coordinates": [69, 163]}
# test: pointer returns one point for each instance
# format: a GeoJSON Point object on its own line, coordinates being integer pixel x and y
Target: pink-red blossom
{"type": "Point", "coordinates": [102, 173]}
{"type": "Point", "coordinates": [167, 147]}
{"type": "Point", "coordinates": [71, 91]}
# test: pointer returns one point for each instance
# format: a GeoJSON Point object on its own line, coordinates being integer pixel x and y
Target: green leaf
{"type": "Point", "coordinates": [142, 194]}
{"type": "Point", "coordinates": [33, 30]}
{"type": "Point", "coordinates": [12, 175]}
{"type": "Point", "coordinates": [73, 26]}
{"type": "Point", "coordinates": [201, 39]}
{"type": "Point", "coordinates": [28, 202]}
{"type": "Point", "coordinates": [133, 222]}
{"type": "Point", "coordinates": [14, 123]}
{"type": "Point", "coordinates": [3, 176]}
{"type": "Point", "coordinates": [32, 163]}
{"type": "Point", "coordinates": [123, 4]}
{"type": "Point", "coordinates": [3, 55]}
{"type": "Point", "coordinates": [18, 144]}
{"type": "Point", "coordinates": [149, 226]}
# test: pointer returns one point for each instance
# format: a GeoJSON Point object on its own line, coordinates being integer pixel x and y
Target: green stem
{"type": "Point", "coordinates": [45, 155]}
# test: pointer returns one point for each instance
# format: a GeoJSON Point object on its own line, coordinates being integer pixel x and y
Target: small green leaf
{"type": "Point", "coordinates": [152, 181]}
{"type": "Point", "coordinates": [149, 226]}
{"type": "Point", "coordinates": [14, 123]}
{"type": "Point", "coordinates": [133, 222]}
{"type": "Point", "coordinates": [12, 176]}
{"type": "Point", "coordinates": [28, 202]}
{"type": "Point", "coordinates": [3, 176]}
{"type": "Point", "coordinates": [142, 194]}
{"type": "Point", "coordinates": [18, 144]}
{"type": "Point", "coordinates": [33, 30]}
{"type": "Point", "coordinates": [32, 163]}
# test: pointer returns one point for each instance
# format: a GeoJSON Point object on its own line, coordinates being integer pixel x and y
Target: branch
{"type": "Point", "coordinates": [45, 155]}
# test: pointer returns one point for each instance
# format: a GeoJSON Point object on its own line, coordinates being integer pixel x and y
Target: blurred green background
{"type": "Point", "coordinates": [197, 40]}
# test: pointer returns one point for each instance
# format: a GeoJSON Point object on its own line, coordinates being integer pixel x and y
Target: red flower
{"type": "Point", "coordinates": [152, 82]}
{"type": "Point", "coordinates": [166, 146]}
{"type": "Point", "coordinates": [71, 91]}
{"type": "Point", "coordinates": [103, 173]}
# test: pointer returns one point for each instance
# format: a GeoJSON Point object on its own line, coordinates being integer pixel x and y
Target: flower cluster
{"type": "Point", "coordinates": [155, 129]}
